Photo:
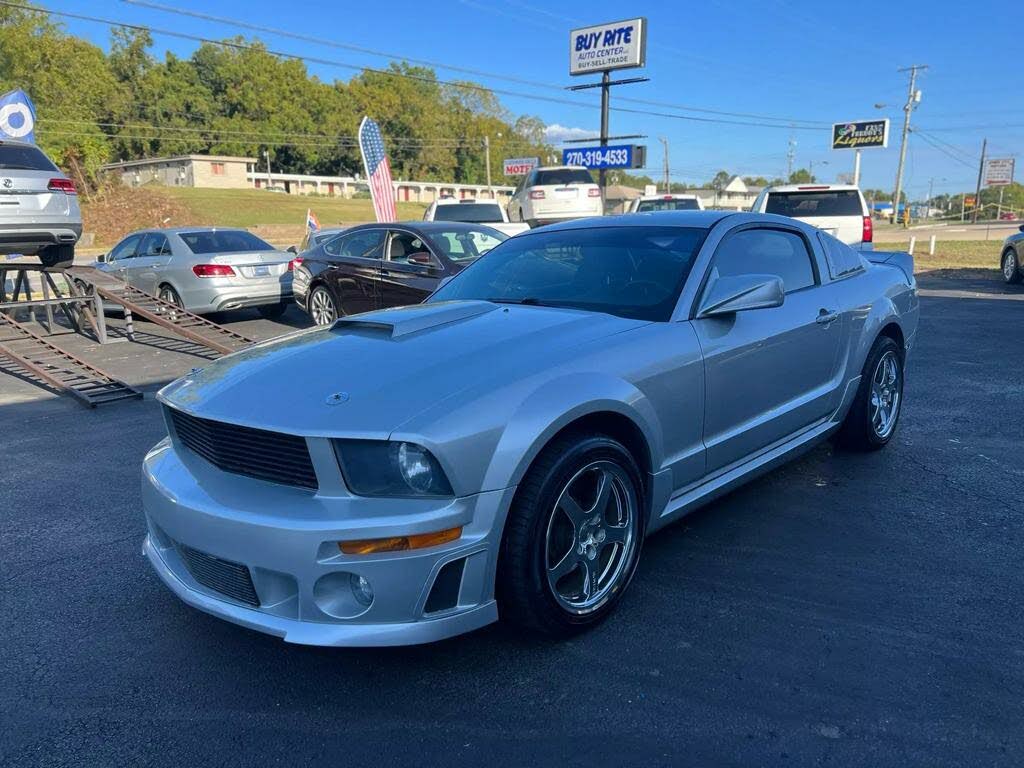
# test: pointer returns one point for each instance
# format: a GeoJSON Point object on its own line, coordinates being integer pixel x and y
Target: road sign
{"type": "Point", "coordinates": [520, 166]}
{"type": "Point", "coordinates": [969, 201]}
{"type": "Point", "coordinates": [616, 45]}
{"type": "Point", "coordinates": [619, 156]}
{"type": "Point", "coordinates": [998, 171]}
{"type": "Point", "coordinates": [862, 134]}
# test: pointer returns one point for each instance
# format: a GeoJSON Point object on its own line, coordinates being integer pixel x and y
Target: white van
{"type": "Point", "coordinates": [838, 209]}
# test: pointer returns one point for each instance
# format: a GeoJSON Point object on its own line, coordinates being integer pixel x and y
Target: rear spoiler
{"type": "Point", "coordinates": [901, 259]}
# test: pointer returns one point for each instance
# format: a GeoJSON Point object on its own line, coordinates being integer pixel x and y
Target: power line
{"type": "Point", "coordinates": [942, 149]}
{"type": "Point", "coordinates": [390, 73]}
{"type": "Point", "coordinates": [441, 65]}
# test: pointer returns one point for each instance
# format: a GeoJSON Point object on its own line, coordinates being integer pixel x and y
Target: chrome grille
{"type": "Point", "coordinates": [229, 579]}
{"type": "Point", "coordinates": [257, 453]}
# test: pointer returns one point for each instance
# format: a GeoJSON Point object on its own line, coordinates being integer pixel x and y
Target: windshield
{"type": "Point", "coordinates": [635, 272]}
{"type": "Point", "coordinates": [224, 241]}
{"type": "Point", "coordinates": [15, 157]}
{"type": "Point", "coordinates": [799, 204]}
{"type": "Point", "coordinates": [645, 206]}
{"type": "Point", "coordinates": [563, 176]}
{"type": "Point", "coordinates": [478, 213]}
{"type": "Point", "coordinates": [466, 243]}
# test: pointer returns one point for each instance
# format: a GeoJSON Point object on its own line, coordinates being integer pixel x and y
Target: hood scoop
{"type": "Point", "coordinates": [403, 321]}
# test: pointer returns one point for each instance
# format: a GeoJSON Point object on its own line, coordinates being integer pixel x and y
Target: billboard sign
{"type": "Point", "coordinates": [520, 166]}
{"type": "Point", "coordinates": [862, 134]}
{"type": "Point", "coordinates": [619, 156]}
{"type": "Point", "coordinates": [616, 45]}
{"type": "Point", "coordinates": [998, 171]}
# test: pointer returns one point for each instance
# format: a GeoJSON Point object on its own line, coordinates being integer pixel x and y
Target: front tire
{"type": "Point", "coordinates": [875, 412]}
{"type": "Point", "coordinates": [573, 536]}
{"type": "Point", "coordinates": [1011, 267]}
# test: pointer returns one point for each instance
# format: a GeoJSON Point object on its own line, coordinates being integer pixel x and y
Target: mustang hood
{"type": "Point", "coordinates": [369, 373]}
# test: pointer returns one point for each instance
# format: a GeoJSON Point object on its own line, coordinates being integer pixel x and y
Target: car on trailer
{"type": "Point", "coordinates": [39, 211]}
{"type": "Point", "coordinates": [510, 443]}
{"type": "Point", "coordinates": [204, 269]}
{"type": "Point", "coordinates": [374, 266]}
{"type": "Point", "coordinates": [1010, 262]}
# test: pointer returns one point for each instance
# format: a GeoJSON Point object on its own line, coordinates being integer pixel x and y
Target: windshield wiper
{"type": "Point", "coordinates": [528, 301]}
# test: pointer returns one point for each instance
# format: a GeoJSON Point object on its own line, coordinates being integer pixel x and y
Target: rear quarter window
{"type": "Point", "coordinates": [807, 204]}
{"type": "Point", "coordinates": [842, 259]}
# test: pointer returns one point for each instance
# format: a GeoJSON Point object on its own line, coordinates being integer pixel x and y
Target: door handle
{"type": "Point", "coordinates": [385, 273]}
{"type": "Point", "coordinates": [826, 316]}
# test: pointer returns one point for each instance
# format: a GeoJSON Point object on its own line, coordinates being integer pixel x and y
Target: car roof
{"type": "Point", "coordinates": [427, 227]}
{"type": "Point", "coordinates": [464, 201]}
{"type": "Point", "coordinates": [560, 168]}
{"type": "Point", "coordinates": [666, 196]}
{"type": "Point", "coordinates": [700, 219]}
{"type": "Point", "coordinates": [19, 143]}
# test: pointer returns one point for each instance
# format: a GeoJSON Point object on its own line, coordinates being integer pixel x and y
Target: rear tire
{"type": "Point", "coordinates": [57, 256]}
{"type": "Point", "coordinates": [167, 293]}
{"type": "Point", "coordinates": [273, 311]}
{"type": "Point", "coordinates": [875, 412]}
{"type": "Point", "coordinates": [1011, 267]}
{"type": "Point", "coordinates": [569, 551]}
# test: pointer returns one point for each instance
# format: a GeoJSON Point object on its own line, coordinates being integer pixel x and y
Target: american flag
{"type": "Point", "coordinates": [378, 170]}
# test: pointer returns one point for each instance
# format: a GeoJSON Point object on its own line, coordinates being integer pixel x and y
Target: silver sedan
{"type": "Point", "coordinates": [205, 269]}
{"type": "Point", "coordinates": [508, 445]}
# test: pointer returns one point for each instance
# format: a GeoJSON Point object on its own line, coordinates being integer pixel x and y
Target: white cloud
{"type": "Point", "coordinates": [556, 133]}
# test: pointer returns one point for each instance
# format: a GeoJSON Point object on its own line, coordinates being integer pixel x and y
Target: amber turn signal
{"type": "Point", "coordinates": [399, 543]}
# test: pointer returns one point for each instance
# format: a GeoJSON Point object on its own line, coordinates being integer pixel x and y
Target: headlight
{"type": "Point", "coordinates": [381, 468]}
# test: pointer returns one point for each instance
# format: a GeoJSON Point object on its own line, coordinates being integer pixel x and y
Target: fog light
{"type": "Point", "coordinates": [361, 589]}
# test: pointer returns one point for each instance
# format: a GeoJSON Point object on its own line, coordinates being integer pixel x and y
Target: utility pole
{"type": "Point", "coordinates": [913, 99]}
{"type": "Point", "coordinates": [977, 192]}
{"type": "Point", "coordinates": [270, 181]}
{"type": "Point", "coordinates": [664, 163]}
{"type": "Point", "coordinates": [790, 157]}
{"type": "Point", "coordinates": [487, 162]}
{"type": "Point", "coordinates": [606, 80]}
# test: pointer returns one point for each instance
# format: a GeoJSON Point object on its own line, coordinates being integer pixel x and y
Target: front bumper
{"type": "Point", "coordinates": [287, 539]}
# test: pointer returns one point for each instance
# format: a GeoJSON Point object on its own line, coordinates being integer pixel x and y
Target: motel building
{"type": "Point", "coordinates": [227, 172]}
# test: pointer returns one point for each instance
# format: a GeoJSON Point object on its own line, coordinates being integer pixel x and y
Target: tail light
{"type": "Point", "coordinates": [867, 232]}
{"type": "Point", "coordinates": [594, 192]}
{"type": "Point", "coordinates": [67, 186]}
{"type": "Point", "coordinates": [536, 194]}
{"type": "Point", "coordinates": [213, 270]}
{"type": "Point", "coordinates": [294, 263]}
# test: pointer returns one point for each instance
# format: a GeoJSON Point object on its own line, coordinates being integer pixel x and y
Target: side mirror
{"type": "Point", "coordinates": [737, 293]}
{"type": "Point", "coordinates": [292, 249]}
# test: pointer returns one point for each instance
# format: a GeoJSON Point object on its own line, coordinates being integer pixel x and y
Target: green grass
{"type": "Point", "coordinates": [952, 254]}
{"type": "Point", "coordinates": [252, 208]}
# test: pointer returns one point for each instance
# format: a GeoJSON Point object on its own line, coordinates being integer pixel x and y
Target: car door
{"type": "Point", "coordinates": [769, 373]}
{"type": "Point", "coordinates": [150, 263]}
{"type": "Point", "coordinates": [409, 272]}
{"type": "Point", "coordinates": [354, 268]}
{"type": "Point", "coordinates": [121, 257]}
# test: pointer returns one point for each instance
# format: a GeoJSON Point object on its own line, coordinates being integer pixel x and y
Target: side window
{"type": "Point", "coordinates": [402, 245]}
{"type": "Point", "coordinates": [125, 249]}
{"type": "Point", "coordinates": [155, 244]}
{"type": "Point", "coordinates": [365, 244]}
{"type": "Point", "coordinates": [842, 259]}
{"type": "Point", "coordinates": [769, 252]}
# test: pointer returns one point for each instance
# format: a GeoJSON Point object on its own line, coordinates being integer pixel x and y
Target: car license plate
{"type": "Point", "coordinates": [261, 271]}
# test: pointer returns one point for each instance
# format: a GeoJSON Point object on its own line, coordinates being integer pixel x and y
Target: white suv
{"type": "Point", "coordinates": [652, 203]}
{"type": "Point", "coordinates": [555, 194]}
{"type": "Point", "coordinates": [838, 209]}
{"type": "Point", "coordinates": [39, 213]}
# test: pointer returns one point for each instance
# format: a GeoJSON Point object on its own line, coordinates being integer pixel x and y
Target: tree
{"type": "Point", "coordinates": [720, 181]}
{"type": "Point", "coordinates": [801, 176]}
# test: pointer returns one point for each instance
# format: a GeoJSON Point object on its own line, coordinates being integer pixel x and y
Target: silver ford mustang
{"type": "Point", "coordinates": [408, 474]}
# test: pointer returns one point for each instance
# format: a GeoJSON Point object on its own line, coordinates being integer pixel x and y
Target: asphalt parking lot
{"type": "Point", "coordinates": [844, 610]}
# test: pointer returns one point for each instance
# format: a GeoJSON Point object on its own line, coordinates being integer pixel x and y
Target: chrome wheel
{"type": "Point", "coordinates": [321, 307]}
{"type": "Point", "coordinates": [591, 537]}
{"type": "Point", "coordinates": [886, 393]}
{"type": "Point", "coordinates": [170, 296]}
{"type": "Point", "coordinates": [1009, 267]}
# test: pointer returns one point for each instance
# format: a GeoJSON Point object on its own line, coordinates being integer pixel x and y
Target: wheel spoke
{"type": "Point", "coordinates": [604, 494]}
{"type": "Point", "coordinates": [569, 563]}
{"type": "Point", "coordinates": [572, 510]}
{"type": "Point", "coordinates": [616, 534]}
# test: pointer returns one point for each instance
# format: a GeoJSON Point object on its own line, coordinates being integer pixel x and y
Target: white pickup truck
{"type": "Point", "coordinates": [487, 212]}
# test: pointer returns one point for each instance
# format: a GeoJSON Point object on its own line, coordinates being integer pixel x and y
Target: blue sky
{"type": "Point", "coordinates": [806, 61]}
